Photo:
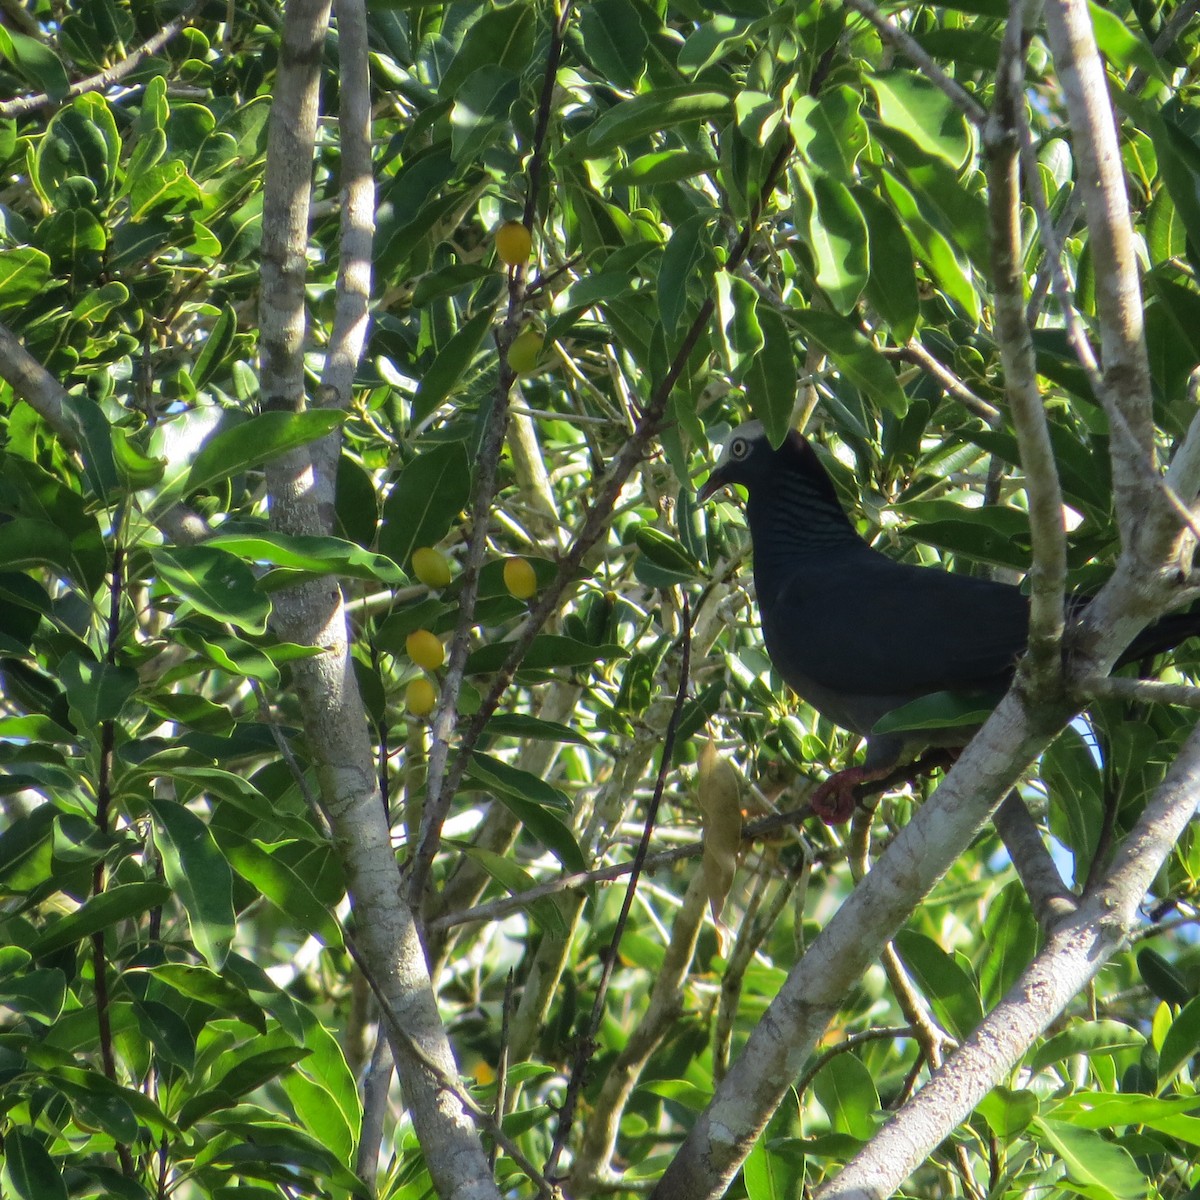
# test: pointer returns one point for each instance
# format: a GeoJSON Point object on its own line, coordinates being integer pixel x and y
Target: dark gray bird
{"type": "Point", "coordinates": [857, 634]}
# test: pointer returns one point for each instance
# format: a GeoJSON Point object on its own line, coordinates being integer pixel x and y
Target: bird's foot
{"type": "Point", "coordinates": [835, 800]}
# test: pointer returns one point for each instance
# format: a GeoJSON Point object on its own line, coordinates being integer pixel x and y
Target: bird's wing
{"type": "Point", "coordinates": [858, 622]}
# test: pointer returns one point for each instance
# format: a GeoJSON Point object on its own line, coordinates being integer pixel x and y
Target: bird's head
{"type": "Point", "coordinates": [746, 458]}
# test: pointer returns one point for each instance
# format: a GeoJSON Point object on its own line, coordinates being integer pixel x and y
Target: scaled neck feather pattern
{"type": "Point", "coordinates": [794, 515]}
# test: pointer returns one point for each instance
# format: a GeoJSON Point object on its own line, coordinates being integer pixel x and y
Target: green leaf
{"type": "Point", "coordinates": [829, 131]}
{"type": "Point", "coordinates": [480, 113]}
{"type": "Point", "coordinates": [217, 991]}
{"type": "Point", "coordinates": [1008, 1112]}
{"type": "Point", "coordinates": [939, 710]}
{"type": "Point", "coordinates": [426, 499]}
{"type": "Point", "coordinates": [502, 37]}
{"type": "Point", "coordinates": [494, 773]}
{"type": "Point", "coordinates": [643, 115]}
{"type": "Point", "coordinates": [855, 356]}
{"type": "Point", "coordinates": [847, 1094]}
{"type": "Point", "coordinates": [37, 995]}
{"type": "Point", "coordinates": [680, 264]}
{"type": "Point", "coordinates": [661, 166]}
{"type": "Point", "coordinates": [613, 39]}
{"type": "Point", "coordinates": [215, 583]}
{"type": "Point", "coordinates": [29, 1171]}
{"type": "Point", "coordinates": [99, 913]}
{"type": "Point", "coordinates": [250, 443]}
{"type": "Point", "coordinates": [271, 874]}
{"type": "Point", "coordinates": [24, 274]}
{"type": "Point", "coordinates": [909, 103]}
{"type": "Point", "coordinates": [542, 823]}
{"type": "Point", "coordinates": [198, 872]}
{"type": "Point", "coordinates": [522, 725]}
{"type": "Point", "coordinates": [737, 321]}
{"type": "Point", "coordinates": [839, 242]}
{"type": "Point", "coordinates": [1091, 1160]}
{"type": "Point", "coordinates": [311, 554]}
{"type": "Point", "coordinates": [1087, 1038]}
{"type": "Point", "coordinates": [1182, 1041]}
{"type": "Point", "coordinates": [1010, 937]}
{"type": "Point", "coordinates": [451, 364]}
{"type": "Point", "coordinates": [96, 692]}
{"type": "Point", "coordinates": [950, 990]}
{"type": "Point", "coordinates": [36, 63]}
{"type": "Point", "coordinates": [547, 651]}
{"type": "Point", "coordinates": [515, 881]}
{"type": "Point", "coordinates": [770, 382]}
{"type": "Point", "coordinates": [892, 281]}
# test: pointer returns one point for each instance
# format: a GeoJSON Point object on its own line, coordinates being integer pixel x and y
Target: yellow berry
{"type": "Point", "coordinates": [525, 351]}
{"type": "Point", "coordinates": [519, 578]}
{"type": "Point", "coordinates": [419, 697]}
{"type": "Point", "coordinates": [430, 567]}
{"type": "Point", "coordinates": [425, 649]}
{"type": "Point", "coordinates": [514, 243]}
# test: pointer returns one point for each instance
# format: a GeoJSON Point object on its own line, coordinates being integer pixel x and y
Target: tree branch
{"type": "Point", "coordinates": [107, 78]}
{"type": "Point", "coordinates": [1042, 667]}
{"type": "Point", "coordinates": [1073, 955]}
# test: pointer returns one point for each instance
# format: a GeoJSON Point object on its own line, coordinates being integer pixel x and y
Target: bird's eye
{"type": "Point", "coordinates": [739, 448]}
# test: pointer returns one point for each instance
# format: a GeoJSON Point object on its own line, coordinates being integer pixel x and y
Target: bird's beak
{"type": "Point", "coordinates": [709, 488]}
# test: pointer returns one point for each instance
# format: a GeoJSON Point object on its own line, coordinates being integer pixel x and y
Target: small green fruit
{"type": "Point", "coordinates": [419, 697]}
{"type": "Point", "coordinates": [425, 649]}
{"type": "Point", "coordinates": [519, 578]}
{"type": "Point", "coordinates": [525, 351]}
{"type": "Point", "coordinates": [430, 567]}
{"type": "Point", "coordinates": [514, 243]}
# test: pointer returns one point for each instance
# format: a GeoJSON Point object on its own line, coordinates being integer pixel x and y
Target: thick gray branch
{"type": "Point", "coordinates": [1074, 954]}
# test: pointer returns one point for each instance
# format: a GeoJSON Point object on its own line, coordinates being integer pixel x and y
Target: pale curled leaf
{"type": "Point", "coordinates": [719, 797]}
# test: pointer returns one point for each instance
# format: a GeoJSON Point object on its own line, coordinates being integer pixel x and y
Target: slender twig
{"type": "Point", "coordinates": [914, 352]}
{"type": "Point", "coordinates": [587, 1041]}
{"type": "Point", "coordinates": [106, 78]}
{"type": "Point", "coordinates": [849, 1043]}
{"type": "Point", "coordinates": [1042, 668]}
{"type": "Point", "coordinates": [1144, 691]}
{"type": "Point", "coordinates": [911, 49]}
{"type": "Point", "coordinates": [440, 789]}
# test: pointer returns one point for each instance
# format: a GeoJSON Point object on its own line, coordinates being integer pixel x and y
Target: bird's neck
{"type": "Point", "coordinates": [791, 518]}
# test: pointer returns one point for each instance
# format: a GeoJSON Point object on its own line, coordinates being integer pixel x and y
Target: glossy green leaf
{"type": "Point", "coordinates": [97, 914]}
{"type": "Point", "coordinates": [97, 692]}
{"type": "Point", "coordinates": [855, 356]}
{"type": "Point", "coordinates": [547, 651]}
{"type": "Point", "coordinates": [892, 280]}
{"type": "Point", "coordinates": [255, 441]}
{"type": "Point", "coordinates": [909, 103]}
{"type": "Point", "coordinates": [1182, 1041]}
{"type": "Point", "coordinates": [479, 116]}
{"type": "Point", "coordinates": [198, 872]}
{"type": "Point", "coordinates": [1091, 1161]}
{"type": "Point", "coordinates": [680, 266]}
{"type": "Point", "coordinates": [219, 991]}
{"type": "Point", "coordinates": [1087, 1038]}
{"type": "Point", "coordinates": [36, 63]}
{"type": "Point", "coordinates": [640, 116]}
{"type": "Point", "coordinates": [310, 554]}
{"type": "Point", "coordinates": [1008, 1111]}
{"type": "Point", "coordinates": [741, 335]}
{"type": "Point", "coordinates": [502, 37]}
{"type": "Point", "coordinates": [770, 382]}
{"type": "Point", "coordinates": [29, 1170]}
{"type": "Point", "coordinates": [215, 583]}
{"type": "Point", "coordinates": [522, 725]}
{"type": "Point", "coordinates": [426, 499]}
{"type": "Point", "coordinates": [613, 39]}
{"type": "Point", "coordinates": [847, 1094]}
{"type": "Point", "coordinates": [829, 131]}
{"type": "Point", "coordinates": [838, 239]}
{"type": "Point", "coordinates": [947, 986]}
{"type": "Point", "coordinates": [451, 364]}
{"type": "Point", "coordinates": [24, 274]}
{"type": "Point", "coordinates": [285, 887]}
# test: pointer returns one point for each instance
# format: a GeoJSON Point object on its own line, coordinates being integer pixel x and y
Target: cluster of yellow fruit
{"type": "Point", "coordinates": [424, 646]}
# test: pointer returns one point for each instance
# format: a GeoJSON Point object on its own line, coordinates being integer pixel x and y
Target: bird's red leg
{"type": "Point", "coordinates": [836, 799]}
